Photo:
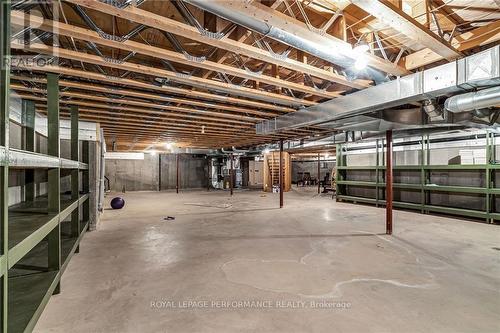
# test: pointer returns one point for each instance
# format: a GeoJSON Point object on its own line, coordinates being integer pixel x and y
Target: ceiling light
{"type": "Point", "coordinates": [152, 152]}
{"type": "Point", "coordinates": [360, 63]}
{"type": "Point", "coordinates": [266, 151]}
{"type": "Point", "coordinates": [361, 47]}
{"type": "Point", "coordinates": [168, 145]}
{"type": "Point", "coordinates": [203, 129]}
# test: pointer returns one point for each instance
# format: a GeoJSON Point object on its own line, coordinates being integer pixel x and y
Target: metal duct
{"type": "Point", "coordinates": [478, 70]}
{"type": "Point", "coordinates": [303, 39]}
{"type": "Point", "coordinates": [474, 101]}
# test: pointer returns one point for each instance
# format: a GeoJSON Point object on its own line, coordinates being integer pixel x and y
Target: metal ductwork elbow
{"type": "Point", "coordinates": [482, 99]}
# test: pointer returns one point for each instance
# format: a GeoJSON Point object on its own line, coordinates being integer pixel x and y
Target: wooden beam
{"type": "Point", "coordinates": [484, 35]}
{"type": "Point", "coordinates": [140, 16]}
{"type": "Point", "coordinates": [165, 89]}
{"type": "Point", "coordinates": [157, 72]}
{"type": "Point", "coordinates": [62, 29]}
{"type": "Point", "coordinates": [394, 17]}
{"type": "Point", "coordinates": [242, 39]}
{"type": "Point", "coordinates": [206, 120]}
{"type": "Point", "coordinates": [298, 28]}
{"type": "Point", "coordinates": [127, 92]}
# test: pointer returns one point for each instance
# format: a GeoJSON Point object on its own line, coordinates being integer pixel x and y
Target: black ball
{"type": "Point", "coordinates": [117, 203]}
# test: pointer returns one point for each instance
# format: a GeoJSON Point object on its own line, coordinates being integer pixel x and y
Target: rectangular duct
{"type": "Point", "coordinates": [478, 70]}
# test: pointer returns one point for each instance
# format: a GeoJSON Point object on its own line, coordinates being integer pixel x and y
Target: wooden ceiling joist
{"type": "Point", "coordinates": [166, 116]}
{"type": "Point", "coordinates": [293, 26]}
{"type": "Point", "coordinates": [156, 72]}
{"type": "Point", "coordinates": [162, 89]}
{"type": "Point", "coordinates": [484, 35]}
{"type": "Point", "coordinates": [389, 14]}
{"type": "Point", "coordinates": [163, 23]}
{"type": "Point", "coordinates": [62, 29]}
{"type": "Point", "coordinates": [153, 97]}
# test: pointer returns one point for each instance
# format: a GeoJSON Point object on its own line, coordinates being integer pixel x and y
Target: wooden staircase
{"type": "Point", "coordinates": [272, 171]}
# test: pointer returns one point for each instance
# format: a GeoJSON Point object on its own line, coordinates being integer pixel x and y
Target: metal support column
{"type": "Point", "coordinates": [209, 178]}
{"type": "Point", "coordinates": [319, 172]}
{"type": "Point", "coordinates": [281, 173]}
{"type": "Point", "coordinates": [4, 141]}
{"type": "Point", "coordinates": [54, 183]}
{"type": "Point", "coordinates": [86, 182]}
{"type": "Point", "coordinates": [75, 183]}
{"type": "Point", "coordinates": [159, 172]}
{"type": "Point", "coordinates": [28, 122]}
{"type": "Point", "coordinates": [231, 175]}
{"type": "Point", "coordinates": [388, 185]}
{"type": "Point", "coordinates": [177, 172]}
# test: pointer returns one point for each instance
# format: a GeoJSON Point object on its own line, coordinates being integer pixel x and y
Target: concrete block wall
{"type": "Point", "coordinates": [145, 175]}
{"type": "Point", "coordinates": [133, 175]}
{"type": "Point", "coordinates": [192, 171]}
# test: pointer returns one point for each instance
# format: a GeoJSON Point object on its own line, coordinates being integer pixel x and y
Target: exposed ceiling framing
{"type": "Point", "coordinates": [155, 71]}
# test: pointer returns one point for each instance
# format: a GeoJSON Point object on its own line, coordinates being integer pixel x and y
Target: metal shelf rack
{"type": "Point", "coordinates": [38, 236]}
{"type": "Point", "coordinates": [489, 191]}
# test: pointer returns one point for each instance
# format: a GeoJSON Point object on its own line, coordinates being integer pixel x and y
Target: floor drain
{"type": "Point", "coordinates": [169, 218]}
{"type": "Point", "coordinates": [496, 248]}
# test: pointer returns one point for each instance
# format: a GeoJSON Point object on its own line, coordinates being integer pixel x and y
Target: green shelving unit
{"type": "Point", "coordinates": [489, 192]}
{"type": "Point", "coordinates": [41, 234]}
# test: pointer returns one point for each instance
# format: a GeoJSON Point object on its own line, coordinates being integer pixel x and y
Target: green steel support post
{"type": "Point", "coordinates": [54, 183]}
{"type": "Point", "coordinates": [75, 186]}
{"type": "Point", "coordinates": [4, 141]}
{"type": "Point", "coordinates": [28, 121]}
{"type": "Point", "coordinates": [86, 182]}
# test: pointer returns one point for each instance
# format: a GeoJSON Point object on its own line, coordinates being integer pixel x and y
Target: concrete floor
{"type": "Point", "coordinates": [139, 272]}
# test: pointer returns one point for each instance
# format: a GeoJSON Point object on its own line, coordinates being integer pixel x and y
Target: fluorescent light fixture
{"type": "Point", "coordinates": [266, 151]}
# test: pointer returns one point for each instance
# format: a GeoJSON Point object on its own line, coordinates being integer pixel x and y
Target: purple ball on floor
{"type": "Point", "coordinates": [117, 203]}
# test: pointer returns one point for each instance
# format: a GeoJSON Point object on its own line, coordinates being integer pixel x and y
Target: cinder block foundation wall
{"type": "Point", "coordinates": [146, 174]}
